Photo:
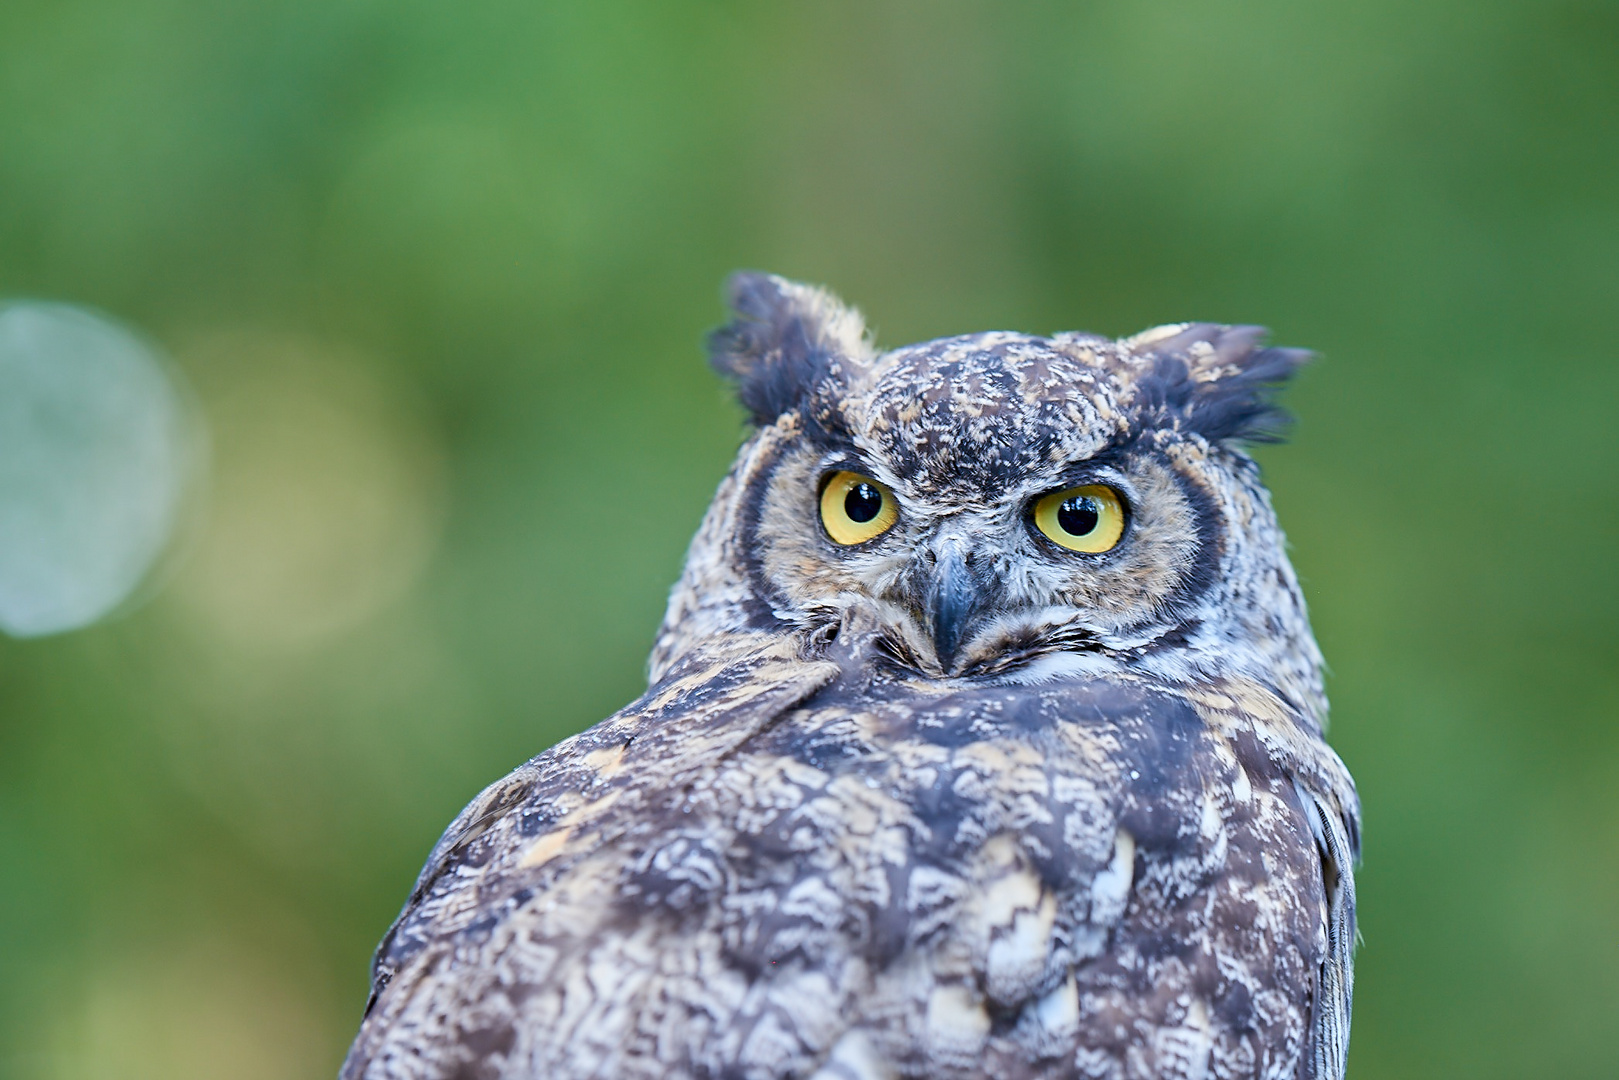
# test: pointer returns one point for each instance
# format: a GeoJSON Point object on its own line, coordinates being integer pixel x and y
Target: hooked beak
{"type": "Point", "coordinates": [953, 599]}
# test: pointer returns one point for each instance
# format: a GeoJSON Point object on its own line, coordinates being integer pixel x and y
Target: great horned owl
{"type": "Point", "coordinates": [983, 739]}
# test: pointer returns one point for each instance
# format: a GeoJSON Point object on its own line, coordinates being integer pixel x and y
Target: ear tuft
{"type": "Point", "coordinates": [1219, 381]}
{"type": "Point", "coordinates": [783, 340]}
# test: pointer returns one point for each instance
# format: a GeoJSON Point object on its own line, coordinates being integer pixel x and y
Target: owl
{"type": "Point", "coordinates": [983, 738]}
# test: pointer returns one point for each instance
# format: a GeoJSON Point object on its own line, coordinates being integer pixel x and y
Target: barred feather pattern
{"type": "Point", "coordinates": [769, 868]}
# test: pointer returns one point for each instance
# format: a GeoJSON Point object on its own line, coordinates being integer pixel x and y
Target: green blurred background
{"type": "Point", "coordinates": [439, 274]}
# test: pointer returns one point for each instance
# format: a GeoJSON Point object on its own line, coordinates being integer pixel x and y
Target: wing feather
{"type": "Point", "coordinates": [1335, 837]}
{"type": "Point", "coordinates": [774, 864]}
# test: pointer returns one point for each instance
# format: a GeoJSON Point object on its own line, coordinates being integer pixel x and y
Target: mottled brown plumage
{"type": "Point", "coordinates": [1101, 838]}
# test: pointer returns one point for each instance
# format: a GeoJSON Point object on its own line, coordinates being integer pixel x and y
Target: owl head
{"type": "Point", "coordinates": [1001, 506]}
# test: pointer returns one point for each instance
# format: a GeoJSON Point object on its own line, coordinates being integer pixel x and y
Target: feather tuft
{"type": "Point", "coordinates": [1217, 381]}
{"type": "Point", "coordinates": [784, 340]}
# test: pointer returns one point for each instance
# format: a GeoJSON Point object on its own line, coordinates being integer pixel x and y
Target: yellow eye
{"type": "Point", "coordinates": [1089, 519]}
{"type": "Point", "coordinates": [856, 508]}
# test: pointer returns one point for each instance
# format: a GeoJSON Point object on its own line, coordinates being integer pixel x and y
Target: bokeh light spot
{"type": "Point", "coordinates": [208, 1008]}
{"type": "Point", "coordinates": [96, 448]}
{"type": "Point", "coordinates": [326, 498]}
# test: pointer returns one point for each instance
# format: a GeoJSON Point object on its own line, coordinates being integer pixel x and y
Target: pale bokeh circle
{"type": "Point", "coordinates": [97, 445]}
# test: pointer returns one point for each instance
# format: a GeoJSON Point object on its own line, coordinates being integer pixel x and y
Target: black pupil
{"type": "Point", "coordinates": [1078, 516]}
{"type": "Point", "coordinates": [862, 503]}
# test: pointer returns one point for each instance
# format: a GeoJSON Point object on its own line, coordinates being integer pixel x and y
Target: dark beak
{"type": "Point", "coordinates": [953, 601]}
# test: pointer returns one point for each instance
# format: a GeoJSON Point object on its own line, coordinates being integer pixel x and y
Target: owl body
{"type": "Point", "coordinates": [950, 798]}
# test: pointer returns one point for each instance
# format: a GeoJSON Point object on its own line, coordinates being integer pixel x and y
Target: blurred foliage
{"type": "Point", "coordinates": [439, 273]}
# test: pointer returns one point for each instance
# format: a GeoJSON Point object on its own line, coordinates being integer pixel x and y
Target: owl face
{"type": "Point", "coordinates": [1002, 506]}
{"type": "Point", "coordinates": [974, 493]}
